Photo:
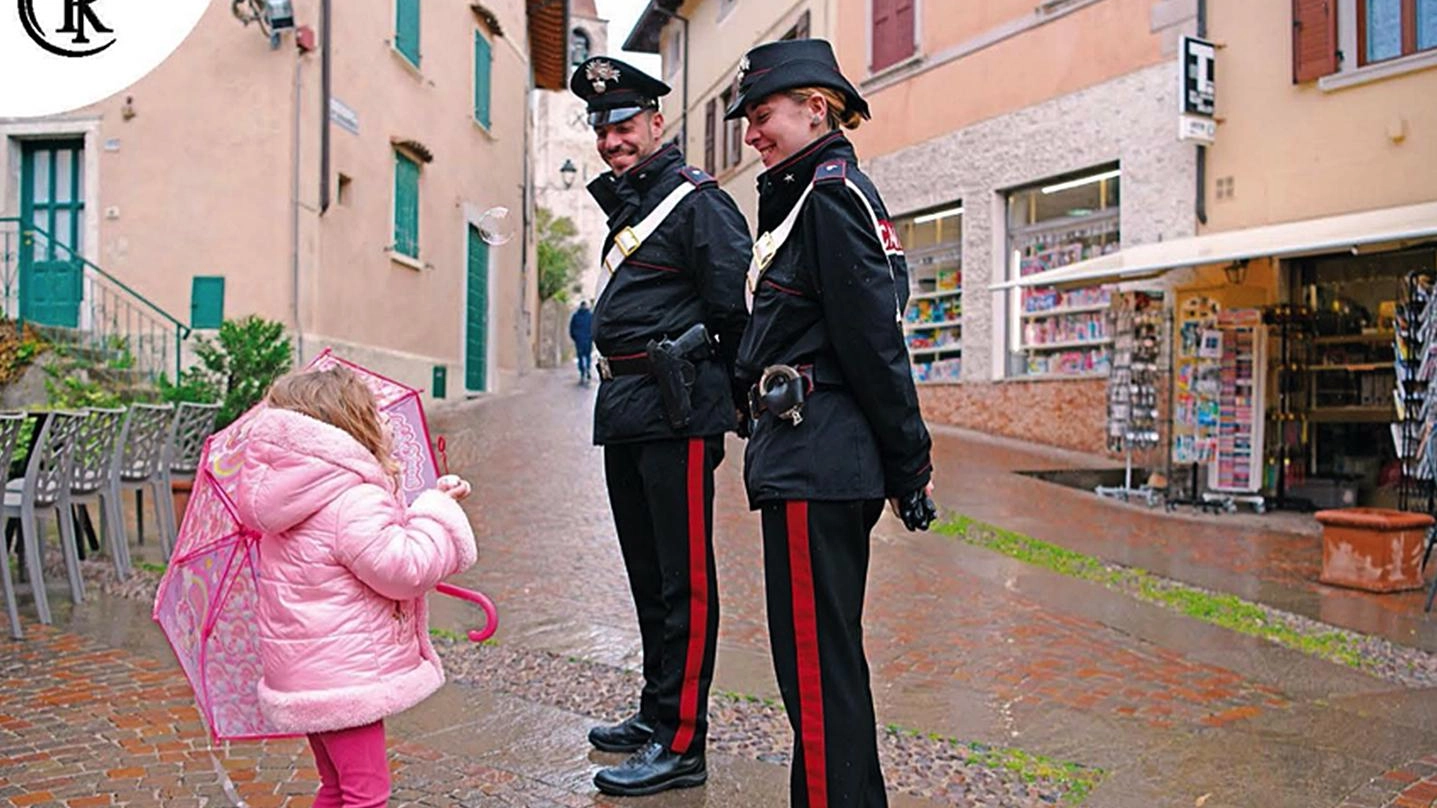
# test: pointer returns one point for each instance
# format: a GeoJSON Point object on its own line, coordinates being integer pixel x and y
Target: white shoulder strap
{"type": "Point", "coordinates": [630, 239]}
{"type": "Point", "coordinates": [767, 245]}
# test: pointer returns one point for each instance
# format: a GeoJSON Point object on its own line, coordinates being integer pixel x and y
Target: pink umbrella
{"type": "Point", "coordinates": [208, 597]}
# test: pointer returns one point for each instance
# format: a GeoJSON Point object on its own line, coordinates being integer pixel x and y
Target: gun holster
{"type": "Point", "coordinates": [674, 371]}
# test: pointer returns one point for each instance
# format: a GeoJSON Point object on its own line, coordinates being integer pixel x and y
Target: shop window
{"type": "Point", "coordinates": [933, 323]}
{"type": "Point", "coordinates": [1387, 29]}
{"type": "Point", "coordinates": [1052, 333]}
{"type": "Point", "coordinates": [892, 34]}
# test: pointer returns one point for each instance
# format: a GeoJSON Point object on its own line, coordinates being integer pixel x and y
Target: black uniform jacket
{"type": "Point", "coordinates": [829, 304]}
{"type": "Point", "coordinates": [690, 270]}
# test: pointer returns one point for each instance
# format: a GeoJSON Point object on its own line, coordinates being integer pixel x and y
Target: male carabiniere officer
{"type": "Point", "coordinates": [667, 323]}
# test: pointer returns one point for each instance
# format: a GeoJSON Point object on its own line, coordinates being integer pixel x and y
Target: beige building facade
{"type": "Point", "coordinates": [359, 223]}
{"type": "Point", "coordinates": [700, 43]}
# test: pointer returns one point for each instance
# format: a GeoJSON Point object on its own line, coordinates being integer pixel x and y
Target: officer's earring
{"type": "Point", "coordinates": [817, 119]}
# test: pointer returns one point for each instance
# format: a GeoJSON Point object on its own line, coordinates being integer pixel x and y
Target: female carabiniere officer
{"type": "Point", "coordinates": [835, 422]}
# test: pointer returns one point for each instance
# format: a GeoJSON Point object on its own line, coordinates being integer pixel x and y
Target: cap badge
{"type": "Point", "coordinates": [600, 73]}
{"type": "Point", "coordinates": [742, 69]}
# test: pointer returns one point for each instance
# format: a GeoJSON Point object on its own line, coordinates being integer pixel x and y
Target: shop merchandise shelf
{"type": "Point", "coordinates": [937, 350]}
{"type": "Point", "coordinates": [1028, 315]}
{"type": "Point", "coordinates": [937, 294]}
{"type": "Point", "coordinates": [1351, 415]}
{"type": "Point", "coordinates": [931, 326]}
{"type": "Point", "coordinates": [1044, 377]}
{"type": "Point", "coordinates": [1348, 339]}
{"type": "Point", "coordinates": [1357, 368]}
{"type": "Point", "coordinates": [1069, 344]}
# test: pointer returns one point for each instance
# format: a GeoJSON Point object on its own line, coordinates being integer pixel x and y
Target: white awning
{"type": "Point", "coordinates": [1307, 237]}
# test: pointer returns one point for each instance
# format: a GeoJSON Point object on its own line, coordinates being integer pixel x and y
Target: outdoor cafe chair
{"type": "Point", "coordinates": [91, 479]}
{"type": "Point", "coordinates": [46, 485]}
{"type": "Point", "coordinates": [140, 464]}
{"type": "Point", "coordinates": [192, 424]}
{"type": "Point", "coordinates": [11, 424]}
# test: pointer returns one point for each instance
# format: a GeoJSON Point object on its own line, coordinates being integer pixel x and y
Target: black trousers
{"type": "Point", "coordinates": [662, 495]}
{"type": "Point", "coordinates": [816, 569]}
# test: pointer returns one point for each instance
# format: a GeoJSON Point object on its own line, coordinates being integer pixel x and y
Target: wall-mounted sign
{"type": "Point", "coordinates": [1197, 95]}
{"type": "Point", "coordinates": [344, 117]}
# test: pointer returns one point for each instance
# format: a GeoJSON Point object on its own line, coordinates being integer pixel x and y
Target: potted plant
{"type": "Point", "coordinates": [235, 368]}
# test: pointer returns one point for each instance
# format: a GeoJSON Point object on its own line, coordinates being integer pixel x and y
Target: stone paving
{"type": "Point", "coordinates": [971, 652]}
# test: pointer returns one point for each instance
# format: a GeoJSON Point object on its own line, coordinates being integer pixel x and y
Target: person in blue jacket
{"type": "Point", "coordinates": [581, 331]}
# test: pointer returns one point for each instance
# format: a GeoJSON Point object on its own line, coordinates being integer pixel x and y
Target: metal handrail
{"type": "Point", "coordinates": [184, 330]}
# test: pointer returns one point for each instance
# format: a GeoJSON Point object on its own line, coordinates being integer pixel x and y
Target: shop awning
{"type": "Point", "coordinates": [1308, 237]}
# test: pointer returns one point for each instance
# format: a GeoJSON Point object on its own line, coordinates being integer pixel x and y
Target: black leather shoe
{"type": "Point", "coordinates": [652, 769]}
{"type": "Point", "coordinates": [628, 735]}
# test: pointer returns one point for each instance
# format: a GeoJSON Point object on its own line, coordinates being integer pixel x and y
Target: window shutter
{"type": "Point", "coordinates": [903, 30]}
{"type": "Point", "coordinates": [406, 206]}
{"type": "Point", "coordinates": [207, 301]}
{"type": "Point", "coordinates": [406, 29]}
{"type": "Point", "coordinates": [710, 134]}
{"type": "Point", "coordinates": [1314, 39]}
{"type": "Point", "coordinates": [483, 60]}
{"type": "Point", "coordinates": [882, 34]}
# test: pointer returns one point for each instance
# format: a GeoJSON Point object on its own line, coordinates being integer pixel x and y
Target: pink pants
{"type": "Point", "coordinates": [353, 768]}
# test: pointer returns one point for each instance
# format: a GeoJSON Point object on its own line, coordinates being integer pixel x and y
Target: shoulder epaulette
{"type": "Point", "coordinates": [697, 176]}
{"type": "Point", "coordinates": [831, 171]}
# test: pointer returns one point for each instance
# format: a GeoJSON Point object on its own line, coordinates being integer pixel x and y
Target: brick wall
{"type": "Point", "coordinates": [1070, 414]}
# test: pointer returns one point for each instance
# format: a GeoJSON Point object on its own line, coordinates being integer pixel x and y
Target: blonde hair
{"type": "Point", "coordinates": [839, 115]}
{"type": "Point", "coordinates": [339, 398]}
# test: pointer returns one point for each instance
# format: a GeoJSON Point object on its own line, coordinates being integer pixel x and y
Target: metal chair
{"type": "Point", "coordinates": [46, 484]}
{"type": "Point", "coordinates": [193, 423]}
{"type": "Point", "coordinates": [11, 425]}
{"type": "Point", "coordinates": [140, 464]}
{"type": "Point", "coordinates": [91, 471]}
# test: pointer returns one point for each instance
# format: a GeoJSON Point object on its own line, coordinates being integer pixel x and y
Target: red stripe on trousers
{"type": "Point", "coordinates": [805, 641]}
{"type": "Point", "coordinates": [698, 600]}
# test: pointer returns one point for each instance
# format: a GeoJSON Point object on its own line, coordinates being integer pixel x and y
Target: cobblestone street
{"type": "Point", "coordinates": [998, 683]}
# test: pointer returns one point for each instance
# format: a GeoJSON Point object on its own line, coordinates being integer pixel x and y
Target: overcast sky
{"type": "Point", "coordinates": [621, 15]}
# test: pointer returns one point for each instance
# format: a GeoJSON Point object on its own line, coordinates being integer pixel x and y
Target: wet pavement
{"type": "Point", "coordinates": [980, 661]}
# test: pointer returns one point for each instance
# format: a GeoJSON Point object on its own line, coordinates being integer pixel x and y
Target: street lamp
{"type": "Point", "coordinates": [568, 171]}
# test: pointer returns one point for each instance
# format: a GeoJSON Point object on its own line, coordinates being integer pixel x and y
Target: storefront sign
{"type": "Point", "coordinates": [1197, 92]}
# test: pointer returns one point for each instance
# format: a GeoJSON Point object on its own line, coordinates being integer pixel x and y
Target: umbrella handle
{"type": "Point", "coordinates": [491, 615]}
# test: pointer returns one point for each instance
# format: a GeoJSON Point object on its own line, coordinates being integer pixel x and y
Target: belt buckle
{"type": "Point", "coordinates": [627, 241]}
{"type": "Point", "coordinates": [764, 250]}
{"type": "Point", "coordinates": [605, 372]}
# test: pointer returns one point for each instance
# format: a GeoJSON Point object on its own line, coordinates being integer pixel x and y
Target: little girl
{"type": "Point", "coordinates": [344, 567]}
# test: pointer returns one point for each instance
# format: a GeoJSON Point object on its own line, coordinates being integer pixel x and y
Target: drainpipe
{"type": "Point", "coordinates": [684, 121]}
{"type": "Point", "coordinates": [324, 95]}
{"type": "Point", "coordinates": [526, 345]}
{"type": "Point", "coordinates": [294, 210]}
{"type": "Point", "coordinates": [1200, 203]}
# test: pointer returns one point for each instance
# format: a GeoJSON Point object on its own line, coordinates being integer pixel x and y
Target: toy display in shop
{"type": "Point", "coordinates": [1137, 323]}
{"type": "Point", "coordinates": [1065, 333]}
{"type": "Point", "coordinates": [933, 324]}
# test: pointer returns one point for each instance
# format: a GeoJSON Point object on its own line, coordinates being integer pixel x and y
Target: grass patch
{"type": "Point", "coordinates": [1227, 611]}
{"type": "Point", "coordinates": [445, 634]}
{"type": "Point", "coordinates": [150, 566]}
{"type": "Point", "coordinates": [1076, 781]}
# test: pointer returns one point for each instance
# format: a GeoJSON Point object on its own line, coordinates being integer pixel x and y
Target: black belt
{"type": "Point", "coordinates": [628, 365]}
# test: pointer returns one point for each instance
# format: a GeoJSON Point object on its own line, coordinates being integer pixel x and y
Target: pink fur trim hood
{"type": "Point", "coordinates": [344, 567]}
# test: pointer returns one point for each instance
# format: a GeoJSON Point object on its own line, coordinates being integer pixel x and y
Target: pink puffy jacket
{"type": "Point", "coordinates": [344, 567]}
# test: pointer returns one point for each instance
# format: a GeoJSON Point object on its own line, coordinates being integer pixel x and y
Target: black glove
{"type": "Point", "coordinates": [741, 409]}
{"type": "Point", "coordinates": [916, 509]}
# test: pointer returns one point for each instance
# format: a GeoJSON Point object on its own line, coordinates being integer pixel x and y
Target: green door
{"type": "Point", "coordinates": [476, 314]}
{"type": "Point", "coordinates": [52, 183]}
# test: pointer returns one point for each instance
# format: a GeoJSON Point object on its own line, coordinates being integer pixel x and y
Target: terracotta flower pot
{"type": "Point", "coordinates": [180, 490]}
{"type": "Point", "coordinates": [1374, 549]}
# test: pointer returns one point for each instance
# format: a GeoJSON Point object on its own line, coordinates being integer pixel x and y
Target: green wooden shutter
{"type": "Point", "coordinates": [482, 66]}
{"type": "Point", "coordinates": [406, 206]}
{"type": "Point", "coordinates": [207, 301]}
{"type": "Point", "coordinates": [476, 314]}
{"type": "Point", "coordinates": [406, 29]}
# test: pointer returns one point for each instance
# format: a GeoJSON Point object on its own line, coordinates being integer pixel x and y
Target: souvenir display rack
{"type": "Point", "coordinates": [1413, 346]}
{"type": "Point", "coordinates": [1236, 471]}
{"type": "Point", "coordinates": [1137, 321]}
{"type": "Point", "coordinates": [1197, 349]}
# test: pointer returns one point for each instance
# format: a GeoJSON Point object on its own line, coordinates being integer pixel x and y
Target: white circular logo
{"type": "Point", "coordinates": [57, 55]}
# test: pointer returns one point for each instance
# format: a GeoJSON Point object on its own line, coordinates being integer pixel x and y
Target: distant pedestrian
{"type": "Point", "coordinates": [343, 569]}
{"type": "Point", "coordinates": [581, 331]}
